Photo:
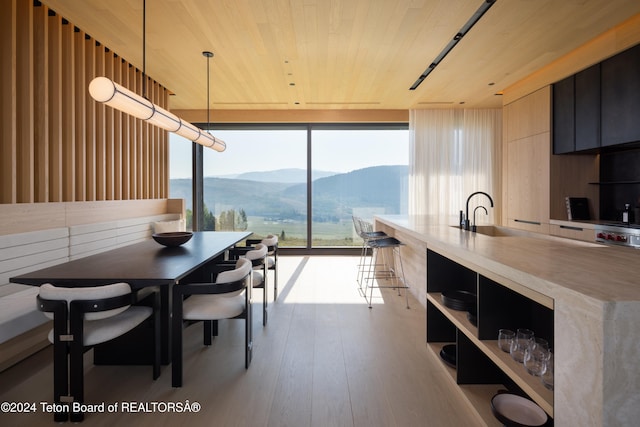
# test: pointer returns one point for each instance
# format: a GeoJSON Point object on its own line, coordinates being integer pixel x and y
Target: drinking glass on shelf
{"type": "Point", "coordinates": [505, 337]}
{"type": "Point", "coordinates": [547, 375]}
{"type": "Point", "coordinates": [519, 344]}
{"type": "Point", "coordinates": [535, 356]}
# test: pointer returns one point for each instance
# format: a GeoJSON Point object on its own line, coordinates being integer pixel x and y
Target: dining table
{"type": "Point", "coordinates": [142, 265]}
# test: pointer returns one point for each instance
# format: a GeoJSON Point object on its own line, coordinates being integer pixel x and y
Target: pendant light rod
{"type": "Point", "coordinates": [144, 48]}
{"type": "Point", "coordinates": [208, 55]}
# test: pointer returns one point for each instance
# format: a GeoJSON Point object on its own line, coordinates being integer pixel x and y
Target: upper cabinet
{"type": "Point", "coordinates": [621, 98]}
{"type": "Point", "coordinates": [599, 106]}
{"type": "Point", "coordinates": [564, 122]}
{"type": "Point", "coordinates": [587, 108]}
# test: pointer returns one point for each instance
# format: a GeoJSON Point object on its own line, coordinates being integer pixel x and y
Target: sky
{"type": "Point", "coordinates": [257, 150]}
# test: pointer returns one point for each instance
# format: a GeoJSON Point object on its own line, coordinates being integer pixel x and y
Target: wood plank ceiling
{"type": "Point", "coordinates": [341, 54]}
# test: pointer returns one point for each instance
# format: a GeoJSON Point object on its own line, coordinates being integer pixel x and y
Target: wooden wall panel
{"type": "Point", "coordinates": [80, 116]}
{"type": "Point", "coordinates": [58, 144]}
{"type": "Point", "coordinates": [68, 112]}
{"type": "Point", "coordinates": [8, 102]}
{"type": "Point", "coordinates": [24, 103]}
{"type": "Point", "coordinates": [90, 121]}
{"type": "Point", "coordinates": [55, 108]}
{"type": "Point", "coordinates": [41, 104]}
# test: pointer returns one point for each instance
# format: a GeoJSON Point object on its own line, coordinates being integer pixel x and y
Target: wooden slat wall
{"type": "Point", "coordinates": [57, 143]}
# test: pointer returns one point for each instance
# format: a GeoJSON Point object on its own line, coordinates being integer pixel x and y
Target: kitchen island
{"type": "Point", "coordinates": [589, 292]}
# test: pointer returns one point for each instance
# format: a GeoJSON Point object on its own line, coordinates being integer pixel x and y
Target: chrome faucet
{"type": "Point", "coordinates": [466, 220]}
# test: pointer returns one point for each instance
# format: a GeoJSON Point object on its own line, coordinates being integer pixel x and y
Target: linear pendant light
{"type": "Point", "coordinates": [112, 94]}
{"type": "Point", "coordinates": [105, 90]}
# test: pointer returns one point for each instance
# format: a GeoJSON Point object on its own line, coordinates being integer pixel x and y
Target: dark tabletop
{"type": "Point", "coordinates": [141, 264]}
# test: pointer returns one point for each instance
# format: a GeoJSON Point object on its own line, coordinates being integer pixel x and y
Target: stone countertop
{"type": "Point", "coordinates": [546, 264]}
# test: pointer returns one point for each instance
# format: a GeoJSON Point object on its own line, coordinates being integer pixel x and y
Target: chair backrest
{"type": "Point", "coordinates": [356, 224]}
{"type": "Point", "coordinates": [270, 240]}
{"type": "Point", "coordinates": [242, 269]}
{"type": "Point", "coordinates": [259, 252]}
{"type": "Point", "coordinates": [57, 293]}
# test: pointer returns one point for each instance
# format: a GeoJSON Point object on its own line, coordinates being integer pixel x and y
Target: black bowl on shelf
{"type": "Point", "coordinates": [517, 411]}
{"type": "Point", "coordinates": [459, 300]}
{"type": "Point", "coordinates": [448, 355]}
{"type": "Point", "coordinates": [172, 239]}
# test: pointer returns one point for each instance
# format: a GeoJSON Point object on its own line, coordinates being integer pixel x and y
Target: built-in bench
{"type": "Point", "coordinates": [23, 329]}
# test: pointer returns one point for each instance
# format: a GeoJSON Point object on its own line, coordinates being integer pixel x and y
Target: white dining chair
{"type": "Point", "coordinates": [84, 317]}
{"type": "Point", "coordinates": [228, 297]}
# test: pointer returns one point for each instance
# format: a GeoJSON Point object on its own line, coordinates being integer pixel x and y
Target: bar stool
{"type": "Point", "coordinates": [364, 229]}
{"type": "Point", "coordinates": [385, 264]}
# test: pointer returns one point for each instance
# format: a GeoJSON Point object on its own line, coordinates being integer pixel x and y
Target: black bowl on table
{"type": "Point", "coordinates": [173, 239]}
{"type": "Point", "coordinates": [517, 411]}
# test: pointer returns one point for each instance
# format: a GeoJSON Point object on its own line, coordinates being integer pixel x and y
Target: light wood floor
{"type": "Point", "coordinates": [324, 359]}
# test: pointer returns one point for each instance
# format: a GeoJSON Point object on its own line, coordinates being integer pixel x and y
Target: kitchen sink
{"type": "Point", "coordinates": [496, 231]}
{"type": "Point", "coordinates": [499, 231]}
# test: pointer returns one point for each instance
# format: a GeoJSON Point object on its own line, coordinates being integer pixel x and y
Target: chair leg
{"type": "Point", "coordinates": [176, 345]}
{"type": "Point", "coordinates": [275, 280]}
{"type": "Point", "coordinates": [264, 305]}
{"type": "Point", "coordinates": [76, 376]}
{"type": "Point", "coordinates": [156, 336]}
{"type": "Point", "coordinates": [60, 378]}
{"type": "Point", "coordinates": [208, 331]}
{"type": "Point", "coordinates": [248, 335]}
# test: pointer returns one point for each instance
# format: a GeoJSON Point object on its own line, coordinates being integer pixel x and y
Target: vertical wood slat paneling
{"type": "Point", "coordinates": [80, 117]}
{"type": "Point", "coordinates": [90, 124]}
{"type": "Point", "coordinates": [41, 104]}
{"type": "Point", "coordinates": [108, 133]}
{"type": "Point", "coordinates": [126, 126]}
{"type": "Point", "coordinates": [24, 103]}
{"type": "Point", "coordinates": [8, 102]}
{"type": "Point", "coordinates": [117, 136]}
{"type": "Point", "coordinates": [57, 143]}
{"type": "Point", "coordinates": [100, 130]}
{"type": "Point", "coordinates": [68, 112]}
{"type": "Point", "coordinates": [55, 109]}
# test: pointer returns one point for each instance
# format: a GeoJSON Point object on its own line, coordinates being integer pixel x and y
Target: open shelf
{"type": "Point", "coordinates": [528, 383]}
{"type": "Point", "coordinates": [458, 318]}
{"type": "Point", "coordinates": [482, 367]}
{"type": "Point", "coordinates": [478, 396]}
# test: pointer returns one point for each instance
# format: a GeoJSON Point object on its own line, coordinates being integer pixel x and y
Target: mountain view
{"type": "Point", "coordinates": [281, 195]}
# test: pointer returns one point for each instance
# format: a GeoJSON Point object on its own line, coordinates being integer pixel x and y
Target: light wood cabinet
{"type": "Point", "coordinates": [528, 179]}
{"type": "Point", "coordinates": [536, 182]}
{"type": "Point", "coordinates": [527, 159]}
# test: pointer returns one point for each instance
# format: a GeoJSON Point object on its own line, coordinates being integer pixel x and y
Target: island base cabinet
{"type": "Point", "coordinates": [482, 369]}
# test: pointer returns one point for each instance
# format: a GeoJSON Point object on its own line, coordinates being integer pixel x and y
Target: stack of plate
{"type": "Point", "coordinates": [459, 300]}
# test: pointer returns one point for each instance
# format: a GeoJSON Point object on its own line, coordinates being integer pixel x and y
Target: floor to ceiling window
{"type": "Point", "coordinates": [365, 174]}
{"type": "Point", "coordinates": [258, 183]}
{"type": "Point", "coordinates": [263, 180]}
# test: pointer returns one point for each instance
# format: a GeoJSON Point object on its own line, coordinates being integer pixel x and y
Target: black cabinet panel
{"type": "Point", "coordinates": [587, 108]}
{"type": "Point", "coordinates": [621, 98]}
{"type": "Point", "coordinates": [563, 116]}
